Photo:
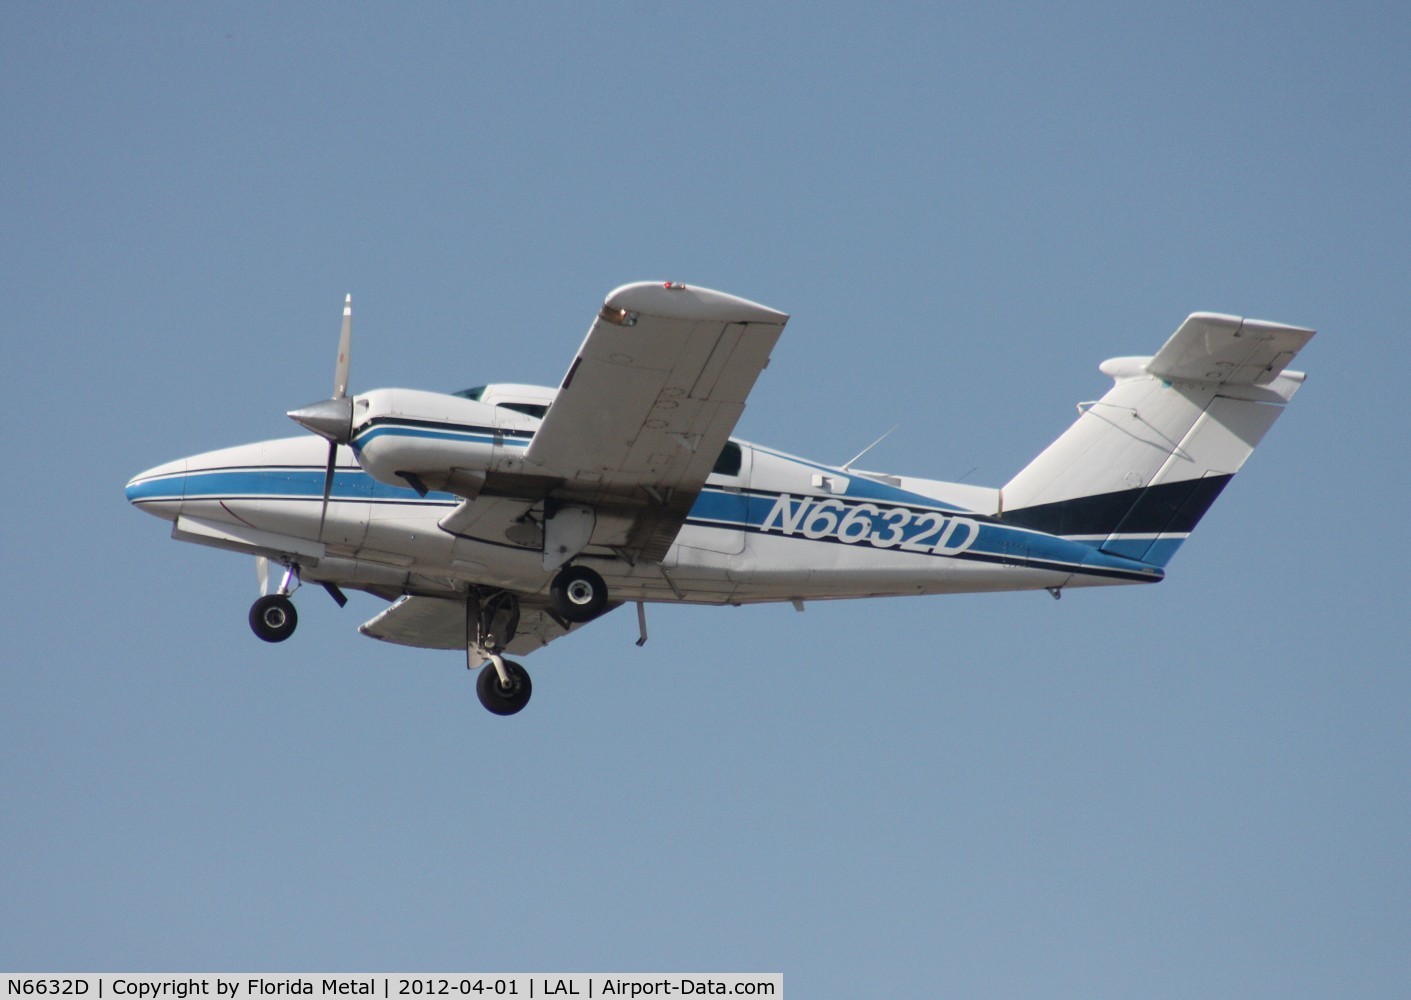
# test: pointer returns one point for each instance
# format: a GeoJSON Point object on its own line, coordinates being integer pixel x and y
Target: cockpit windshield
{"type": "Point", "coordinates": [535, 410]}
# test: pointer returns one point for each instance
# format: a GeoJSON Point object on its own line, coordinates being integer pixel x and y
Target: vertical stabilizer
{"type": "Point", "coordinates": [1140, 467]}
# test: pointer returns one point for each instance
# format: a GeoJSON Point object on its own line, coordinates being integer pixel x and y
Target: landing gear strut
{"type": "Point", "coordinates": [491, 620]}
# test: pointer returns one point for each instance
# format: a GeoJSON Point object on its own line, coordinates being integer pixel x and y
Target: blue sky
{"type": "Point", "coordinates": [1195, 789]}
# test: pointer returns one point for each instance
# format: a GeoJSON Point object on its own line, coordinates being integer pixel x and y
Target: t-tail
{"type": "Point", "coordinates": [1141, 466]}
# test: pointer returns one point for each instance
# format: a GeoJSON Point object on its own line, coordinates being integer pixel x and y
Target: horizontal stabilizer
{"type": "Point", "coordinates": [1214, 349]}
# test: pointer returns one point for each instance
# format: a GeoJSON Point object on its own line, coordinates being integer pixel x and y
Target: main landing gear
{"type": "Point", "coordinates": [578, 594]}
{"type": "Point", "coordinates": [503, 696]}
{"type": "Point", "coordinates": [491, 620]}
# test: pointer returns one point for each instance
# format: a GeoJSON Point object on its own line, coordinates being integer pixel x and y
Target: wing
{"type": "Point", "coordinates": [439, 623]}
{"type": "Point", "coordinates": [650, 401]}
{"type": "Point", "coordinates": [1227, 350]}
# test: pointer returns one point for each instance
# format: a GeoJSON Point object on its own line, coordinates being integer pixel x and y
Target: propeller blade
{"type": "Point", "coordinates": [345, 349]}
{"type": "Point", "coordinates": [327, 485]}
{"type": "Point", "coordinates": [333, 417]}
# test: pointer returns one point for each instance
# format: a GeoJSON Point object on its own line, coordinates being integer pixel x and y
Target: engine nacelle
{"type": "Point", "coordinates": [436, 441]}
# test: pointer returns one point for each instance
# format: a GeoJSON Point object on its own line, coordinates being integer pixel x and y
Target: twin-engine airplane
{"type": "Point", "coordinates": [499, 518]}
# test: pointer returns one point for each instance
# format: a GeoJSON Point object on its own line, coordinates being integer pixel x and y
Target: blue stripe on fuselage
{"type": "Point", "coordinates": [349, 485]}
{"type": "Point", "coordinates": [471, 433]}
{"type": "Point", "coordinates": [714, 508]}
{"type": "Point", "coordinates": [1150, 549]}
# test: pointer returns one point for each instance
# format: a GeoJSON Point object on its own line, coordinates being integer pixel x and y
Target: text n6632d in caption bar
{"type": "Point", "coordinates": [400, 986]}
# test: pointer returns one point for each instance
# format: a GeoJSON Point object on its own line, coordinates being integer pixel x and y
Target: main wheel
{"type": "Point", "coordinates": [578, 594]}
{"type": "Point", "coordinates": [500, 699]}
{"type": "Point", "coordinates": [273, 618]}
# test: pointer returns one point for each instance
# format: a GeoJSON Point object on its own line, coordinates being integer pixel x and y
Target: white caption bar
{"type": "Point", "coordinates": [401, 986]}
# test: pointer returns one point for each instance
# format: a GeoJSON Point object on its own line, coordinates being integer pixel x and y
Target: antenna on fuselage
{"type": "Point", "coordinates": [847, 466]}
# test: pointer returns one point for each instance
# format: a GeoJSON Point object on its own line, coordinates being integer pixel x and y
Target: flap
{"type": "Point", "coordinates": [428, 622]}
{"type": "Point", "coordinates": [439, 623]}
{"type": "Point", "coordinates": [494, 519]}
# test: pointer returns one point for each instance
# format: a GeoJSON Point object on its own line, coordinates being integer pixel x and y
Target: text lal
{"type": "Point", "coordinates": [622, 987]}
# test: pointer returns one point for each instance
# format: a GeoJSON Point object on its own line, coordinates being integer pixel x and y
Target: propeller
{"type": "Point", "coordinates": [333, 418]}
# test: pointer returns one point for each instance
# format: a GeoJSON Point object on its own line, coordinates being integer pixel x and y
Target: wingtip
{"type": "Point", "coordinates": [673, 299]}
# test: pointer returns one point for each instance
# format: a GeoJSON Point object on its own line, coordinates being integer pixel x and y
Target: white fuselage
{"type": "Point", "coordinates": [770, 527]}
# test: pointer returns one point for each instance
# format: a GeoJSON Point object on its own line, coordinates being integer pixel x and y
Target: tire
{"type": "Point", "coordinates": [578, 594]}
{"type": "Point", "coordinates": [495, 697]}
{"type": "Point", "coordinates": [273, 618]}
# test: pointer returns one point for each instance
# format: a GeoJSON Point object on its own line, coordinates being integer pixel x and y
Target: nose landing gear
{"type": "Point", "coordinates": [273, 617]}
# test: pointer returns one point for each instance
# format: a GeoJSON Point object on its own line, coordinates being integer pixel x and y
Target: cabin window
{"type": "Point", "coordinates": [536, 410]}
{"type": "Point", "coordinates": [728, 464]}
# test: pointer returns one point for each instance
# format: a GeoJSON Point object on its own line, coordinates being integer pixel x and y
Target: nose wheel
{"type": "Point", "coordinates": [273, 618]}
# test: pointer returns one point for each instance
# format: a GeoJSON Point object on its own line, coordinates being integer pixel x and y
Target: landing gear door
{"type": "Point", "coordinates": [567, 529]}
